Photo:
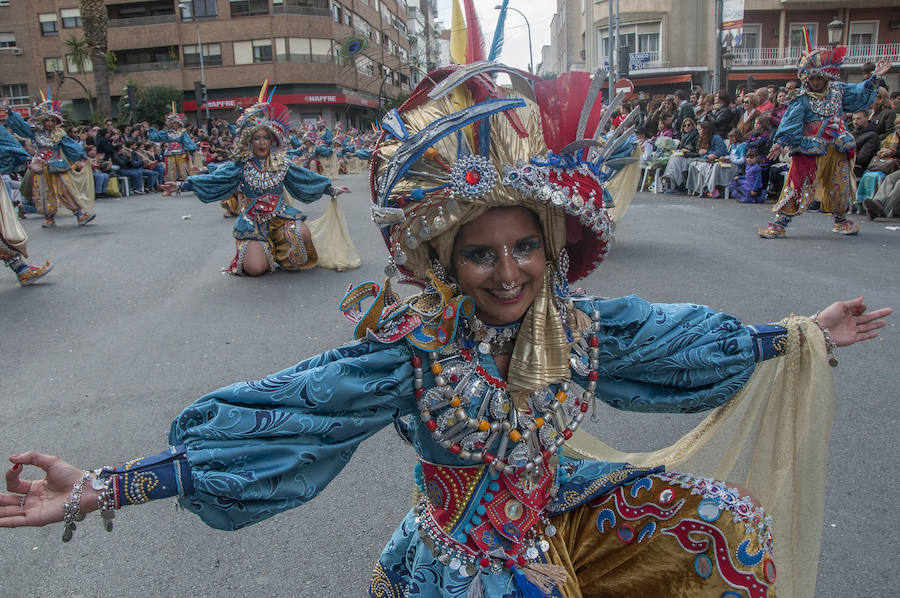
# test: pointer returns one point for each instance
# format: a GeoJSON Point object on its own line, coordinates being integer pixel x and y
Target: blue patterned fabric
{"type": "Point", "coordinates": [11, 152]}
{"type": "Point", "coordinates": [165, 137]}
{"type": "Point", "coordinates": [800, 115]}
{"type": "Point", "coordinates": [258, 448]}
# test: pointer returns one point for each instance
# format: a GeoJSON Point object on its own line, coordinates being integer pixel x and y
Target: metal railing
{"type": "Point", "coordinates": [789, 56]}
{"type": "Point", "coordinates": [141, 21]}
{"type": "Point", "coordinates": [163, 65]}
{"type": "Point", "coordinates": [322, 58]}
{"type": "Point", "coordinates": [646, 60]}
{"type": "Point", "coordinates": [301, 10]}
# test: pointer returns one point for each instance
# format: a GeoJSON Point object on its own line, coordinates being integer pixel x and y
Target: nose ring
{"type": "Point", "coordinates": [508, 286]}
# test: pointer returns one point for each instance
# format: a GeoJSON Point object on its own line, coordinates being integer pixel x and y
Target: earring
{"type": "Point", "coordinates": [441, 273]}
{"type": "Point", "coordinates": [561, 296]}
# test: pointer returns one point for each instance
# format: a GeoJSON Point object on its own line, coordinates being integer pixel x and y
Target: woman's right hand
{"type": "Point", "coordinates": [39, 502]}
{"type": "Point", "coordinates": [775, 152]}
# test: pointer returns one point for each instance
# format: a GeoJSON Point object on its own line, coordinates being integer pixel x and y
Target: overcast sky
{"type": "Point", "coordinates": [515, 48]}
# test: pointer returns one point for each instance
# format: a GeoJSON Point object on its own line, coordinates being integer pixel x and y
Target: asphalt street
{"type": "Point", "coordinates": [136, 321]}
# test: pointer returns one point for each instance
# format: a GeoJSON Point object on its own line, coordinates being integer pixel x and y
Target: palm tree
{"type": "Point", "coordinates": [93, 20]}
{"type": "Point", "coordinates": [78, 53]}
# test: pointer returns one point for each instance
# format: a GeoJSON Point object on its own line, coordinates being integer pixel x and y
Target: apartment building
{"type": "Point", "coordinates": [672, 43]}
{"type": "Point", "coordinates": [299, 45]}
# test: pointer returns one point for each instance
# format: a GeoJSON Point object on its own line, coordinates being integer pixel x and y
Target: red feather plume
{"type": "Point", "coordinates": [474, 38]}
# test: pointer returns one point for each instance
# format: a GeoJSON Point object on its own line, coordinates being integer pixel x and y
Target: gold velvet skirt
{"type": "Point", "coordinates": [177, 167]}
{"type": "Point", "coordinates": [665, 536]}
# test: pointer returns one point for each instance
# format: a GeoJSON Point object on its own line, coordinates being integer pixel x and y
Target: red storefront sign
{"type": "Point", "coordinates": [24, 111]}
{"type": "Point", "coordinates": [293, 98]}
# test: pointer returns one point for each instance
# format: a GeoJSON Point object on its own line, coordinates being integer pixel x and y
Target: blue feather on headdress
{"type": "Point", "coordinates": [497, 44]}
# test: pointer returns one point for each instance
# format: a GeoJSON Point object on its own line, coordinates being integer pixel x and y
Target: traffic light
{"type": "Point", "coordinates": [200, 94]}
{"type": "Point", "coordinates": [624, 61]}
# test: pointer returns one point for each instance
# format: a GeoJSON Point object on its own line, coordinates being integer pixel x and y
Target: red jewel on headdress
{"type": "Point", "coordinates": [473, 177]}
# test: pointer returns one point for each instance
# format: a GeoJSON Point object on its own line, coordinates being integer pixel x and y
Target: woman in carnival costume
{"type": "Point", "coordinates": [177, 145]}
{"type": "Point", "coordinates": [492, 202]}
{"type": "Point", "coordinates": [65, 177]}
{"type": "Point", "coordinates": [270, 232]}
{"type": "Point", "coordinates": [13, 239]}
{"type": "Point", "coordinates": [813, 127]}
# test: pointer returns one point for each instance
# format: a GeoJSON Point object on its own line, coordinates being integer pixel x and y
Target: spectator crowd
{"type": "Point", "coordinates": [712, 145]}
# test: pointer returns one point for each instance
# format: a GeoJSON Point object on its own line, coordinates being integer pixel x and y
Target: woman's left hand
{"type": "Point", "coordinates": [848, 322]}
{"type": "Point", "coordinates": [340, 190]}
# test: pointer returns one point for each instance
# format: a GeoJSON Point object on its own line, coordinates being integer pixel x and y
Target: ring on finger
{"type": "Point", "coordinates": [22, 501]}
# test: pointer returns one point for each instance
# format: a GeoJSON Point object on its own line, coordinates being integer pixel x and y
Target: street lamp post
{"type": "Point", "coordinates": [727, 63]}
{"type": "Point", "coordinates": [527, 24]}
{"type": "Point", "coordinates": [187, 7]}
{"type": "Point", "coordinates": [835, 31]}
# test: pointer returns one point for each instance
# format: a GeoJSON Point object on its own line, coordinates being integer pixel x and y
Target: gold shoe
{"type": "Point", "coordinates": [31, 274]}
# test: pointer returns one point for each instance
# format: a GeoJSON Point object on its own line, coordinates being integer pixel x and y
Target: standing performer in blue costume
{"type": "Point", "coordinates": [177, 146]}
{"type": "Point", "coordinates": [13, 239]}
{"type": "Point", "coordinates": [56, 153]}
{"type": "Point", "coordinates": [269, 231]}
{"type": "Point", "coordinates": [813, 128]}
{"type": "Point", "coordinates": [493, 202]}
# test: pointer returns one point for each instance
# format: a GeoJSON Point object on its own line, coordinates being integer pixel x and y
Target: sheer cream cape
{"type": "Point", "coordinates": [772, 438]}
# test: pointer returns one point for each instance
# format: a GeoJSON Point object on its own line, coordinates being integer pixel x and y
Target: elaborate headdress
{"type": "Point", "coordinates": [825, 62]}
{"type": "Point", "coordinates": [174, 117]}
{"type": "Point", "coordinates": [460, 146]}
{"type": "Point", "coordinates": [48, 108]}
{"type": "Point", "coordinates": [275, 118]}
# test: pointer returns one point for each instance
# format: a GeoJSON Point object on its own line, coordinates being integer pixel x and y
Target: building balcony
{"type": "Point", "coordinates": [310, 11]}
{"type": "Point", "coordinates": [788, 57]}
{"type": "Point", "coordinates": [163, 65]}
{"type": "Point", "coordinates": [638, 61]}
{"type": "Point", "coordinates": [141, 21]}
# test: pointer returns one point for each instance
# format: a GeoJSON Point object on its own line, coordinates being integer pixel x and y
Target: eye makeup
{"type": "Point", "coordinates": [485, 257]}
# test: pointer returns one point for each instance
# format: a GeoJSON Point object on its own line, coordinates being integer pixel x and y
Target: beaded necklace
{"type": "Point", "coordinates": [527, 436]}
{"type": "Point", "coordinates": [261, 179]}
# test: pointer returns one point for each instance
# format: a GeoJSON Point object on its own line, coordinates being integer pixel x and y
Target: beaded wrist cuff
{"type": "Point", "coordinates": [160, 476]}
{"type": "Point", "coordinates": [769, 340]}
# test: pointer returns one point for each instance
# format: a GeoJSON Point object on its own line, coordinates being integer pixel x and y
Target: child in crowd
{"type": "Point", "coordinates": [748, 187]}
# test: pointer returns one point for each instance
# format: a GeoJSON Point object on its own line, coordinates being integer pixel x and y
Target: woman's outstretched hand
{"type": "Point", "coordinates": [39, 502]}
{"type": "Point", "coordinates": [340, 190]}
{"type": "Point", "coordinates": [848, 322]}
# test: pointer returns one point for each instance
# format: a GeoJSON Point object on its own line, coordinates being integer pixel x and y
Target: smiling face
{"type": "Point", "coordinates": [499, 261]}
{"type": "Point", "coordinates": [261, 144]}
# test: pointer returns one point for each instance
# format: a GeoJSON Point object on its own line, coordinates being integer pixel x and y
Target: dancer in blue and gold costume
{"type": "Point", "coordinates": [493, 202]}
{"type": "Point", "coordinates": [177, 145]}
{"type": "Point", "coordinates": [66, 178]}
{"type": "Point", "coordinates": [13, 239]}
{"type": "Point", "coordinates": [270, 232]}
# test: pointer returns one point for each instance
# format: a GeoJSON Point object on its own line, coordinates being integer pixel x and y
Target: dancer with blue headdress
{"type": "Point", "coordinates": [492, 202]}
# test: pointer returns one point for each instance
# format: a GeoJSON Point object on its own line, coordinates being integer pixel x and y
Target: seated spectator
{"type": "Point", "coordinates": [881, 115]}
{"type": "Point", "coordinates": [131, 166]}
{"type": "Point", "coordinates": [710, 148]}
{"type": "Point", "coordinates": [781, 105]}
{"type": "Point", "coordinates": [146, 153]}
{"type": "Point", "coordinates": [778, 171]}
{"type": "Point", "coordinates": [665, 127]}
{"type": "Point", "coordinates": [685, 109]}
{"type": "Point", "coordinates": [760, 139]}
{"type": "Point", "coordinates": [885, 162]}
{"type": "Point", "coordinates": [721, 114]}
{"type": "Point", "coordinates": [895, 103]}
{"type": "Point", "coordinates": [101, 170]}
{"type": "Point", "coordinates": [646, 146]}
{"type": "Point", "coordinates": [677, 166]}
{"type": "Point", "coordinates": [748, 186]}
{"type": "Point", "coordinates": [724, 168]}
{"type": "Point", "coordinates": [651, 120]}
{"type": "Point", "coordinates": [747, 120]}
{"type": "Point", "coordinates": [867, 142]}
{"type": "Point", "coordinates": [764, 99]}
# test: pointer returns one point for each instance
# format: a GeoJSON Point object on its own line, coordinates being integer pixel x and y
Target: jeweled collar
{"type": "Point", "coordinates": [488, 339]}
{"type": "Point", "coordinates": [259, 178]}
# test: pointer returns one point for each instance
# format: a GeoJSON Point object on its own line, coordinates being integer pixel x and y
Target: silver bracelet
{"type": "Point", "coordinates": [830, 346]}
{"type": "Point", "coordinates": [72, 508]}
{"type": "Point", "coordinates": [105, 500]}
